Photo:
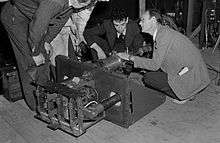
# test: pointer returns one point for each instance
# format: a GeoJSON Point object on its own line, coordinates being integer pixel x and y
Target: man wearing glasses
{"type": "Point", "coordinates": [114, 35]}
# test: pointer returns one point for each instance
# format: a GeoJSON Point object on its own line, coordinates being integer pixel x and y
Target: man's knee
{"type": "Point", "coordinates": [147, 79]}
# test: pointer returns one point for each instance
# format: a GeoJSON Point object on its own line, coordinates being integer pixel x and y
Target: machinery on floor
{"type": "Point", "coordinates": [86, 93]}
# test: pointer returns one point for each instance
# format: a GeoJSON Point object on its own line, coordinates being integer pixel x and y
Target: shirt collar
{"type": "Point", "coordinates": [118, 34]}
{"type": "Point", "coordinates": [154, 35]}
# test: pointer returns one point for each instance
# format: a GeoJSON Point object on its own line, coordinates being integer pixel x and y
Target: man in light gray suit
{"type": "Point", "coordinates": [180, 69]}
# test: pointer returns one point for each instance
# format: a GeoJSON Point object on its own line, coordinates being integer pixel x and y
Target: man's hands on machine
{"type": "Point", "coordinates": [49, 48]}
{"type": "Point", "coordinates": [101, 54]}
{"type": "Point", "coordinates": [40, 59]}
{"type": "Point", "coordinates": [125, 56]}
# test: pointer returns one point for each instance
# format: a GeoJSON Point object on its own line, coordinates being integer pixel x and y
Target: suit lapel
{"type": "Point", "coordinates": [159, 33]}
{"type": "Point", "coordinates": [112, 36]}
{"type": "Point", "coordinates": [128, 35]}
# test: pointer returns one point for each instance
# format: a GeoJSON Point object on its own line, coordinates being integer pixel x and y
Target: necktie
{"type": "Point", "coordinates": [119, 44]}
{"type": "Point", "coordinates": [121, 37]}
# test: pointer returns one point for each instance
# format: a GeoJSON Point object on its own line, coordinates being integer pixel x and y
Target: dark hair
{"type": "Point", "coordinates": [157, 14]}
{"type": "Point", "coordinates": [118, 14]}
{"type": "Point", "coordinates": [163, 19]}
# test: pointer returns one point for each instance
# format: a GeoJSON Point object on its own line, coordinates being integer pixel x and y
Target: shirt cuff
{"type": "Point", "coordinates": [134, 59]}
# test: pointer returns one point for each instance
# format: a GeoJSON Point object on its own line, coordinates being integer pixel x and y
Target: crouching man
{"type": "Point", "coordinates": [179, 69]}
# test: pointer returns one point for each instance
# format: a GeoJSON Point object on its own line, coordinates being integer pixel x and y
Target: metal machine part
{"type": "Point", "coordinates": [71, 107]}
{"type": "Point", "coordinates": [136, 99]}
{"type": "Point", "coordinates": [112, 63]}
{"type": "Point", "coordinates": [93, 111]}
{"type": "Point", "coordinates": [115, 64]}
{"type": "Point", "coordinates": [211, 22]}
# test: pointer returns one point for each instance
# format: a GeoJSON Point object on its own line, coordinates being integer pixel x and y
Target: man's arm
{"type": "Point", "coordinates": [136, 27]}
{"type": "Point", "coordinates": [159, 53]}
{"type": "Point", "coordinates": [92, 37]}
{"type": "Point", "coordinates": [91, 33]}
{"type": "Point", "coordinates": [137, 44]}
{"type": "Point", "coordinates": [38, 26]}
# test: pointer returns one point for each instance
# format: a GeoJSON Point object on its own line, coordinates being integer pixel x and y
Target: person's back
{"type": "Point", "coordinates": [182, 53]}
{"type": "Point", "coordinates": [185, 53]}
{"type": "Point", "coordinates": [181, 47]}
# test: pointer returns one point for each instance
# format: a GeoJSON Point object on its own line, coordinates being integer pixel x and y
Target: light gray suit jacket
{"type": "Point", "coordinates": [172, 52]}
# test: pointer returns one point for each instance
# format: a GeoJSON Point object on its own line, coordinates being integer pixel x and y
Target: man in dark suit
{"type": "Point", "coordinates": [183, 72]}
{"type": "Point", "coordinates": [32, 24]}
{"type": "Point", "coordinates": [26, 23]}
{"type": "Point", "coordinates": [114, 35]}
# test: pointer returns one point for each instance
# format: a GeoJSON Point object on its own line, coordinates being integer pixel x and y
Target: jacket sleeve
{"type": "Point", "coordinates": [137, 43]}
{"type": "Point", "coordinates": [38, 26]}
{"type": "Point", "coordinates": [159, 53]}
{"type": "Point", "coordinates": [91, 33]}
{"type": "Point", "coordinates": [137, 28]}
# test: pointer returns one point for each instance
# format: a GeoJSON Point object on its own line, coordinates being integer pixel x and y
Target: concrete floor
{"type": "Point", "coordinates": [196, 121]}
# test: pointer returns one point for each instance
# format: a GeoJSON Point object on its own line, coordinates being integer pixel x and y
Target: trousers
{"type": "Point", "coordinates": [158, 80]}
{"type": "Point", "coordinates": [16, 25]}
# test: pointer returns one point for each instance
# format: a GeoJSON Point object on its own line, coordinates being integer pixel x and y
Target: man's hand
{"type": "Point", "coordinates": [49, 48]}
{"type": "Point", "coordinates": [124, 56]}
{"type": "Point", "coordinates": [113, 53]}
{"type": "Point", "coordinates": [140, 52]}
{"type": "Point", "coordinates": [39, 59]}
{"type": "Point", "coordinates": [100, 52]}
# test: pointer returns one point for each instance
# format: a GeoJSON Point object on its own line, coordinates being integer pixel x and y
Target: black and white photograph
{"type": "Point", "coordinates": [109, 71]}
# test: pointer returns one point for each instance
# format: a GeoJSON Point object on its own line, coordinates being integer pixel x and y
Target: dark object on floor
{"type": "Point", "coordinates": [11, 84]}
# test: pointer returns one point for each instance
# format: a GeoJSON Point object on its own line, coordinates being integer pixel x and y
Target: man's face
{"type": "Point", "coordinates": [147, 23]}
{"type": "Point", "coordinates": [120, 25]}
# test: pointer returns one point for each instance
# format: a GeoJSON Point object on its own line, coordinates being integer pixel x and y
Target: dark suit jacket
{"type": "Point", "coordinates": [174, 51]}
{"type": "Point", "coordinates": [107, 30]}
{"type": "Point", "coordinates": [26, 22]}
{"type": "Point", "coordinates": [40, 13]}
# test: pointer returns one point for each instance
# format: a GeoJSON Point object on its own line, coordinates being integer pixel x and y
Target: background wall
{"type": "Point", "coordinates": [171, 6]}
{"type": "Point", "coordinates": [103, 10]}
